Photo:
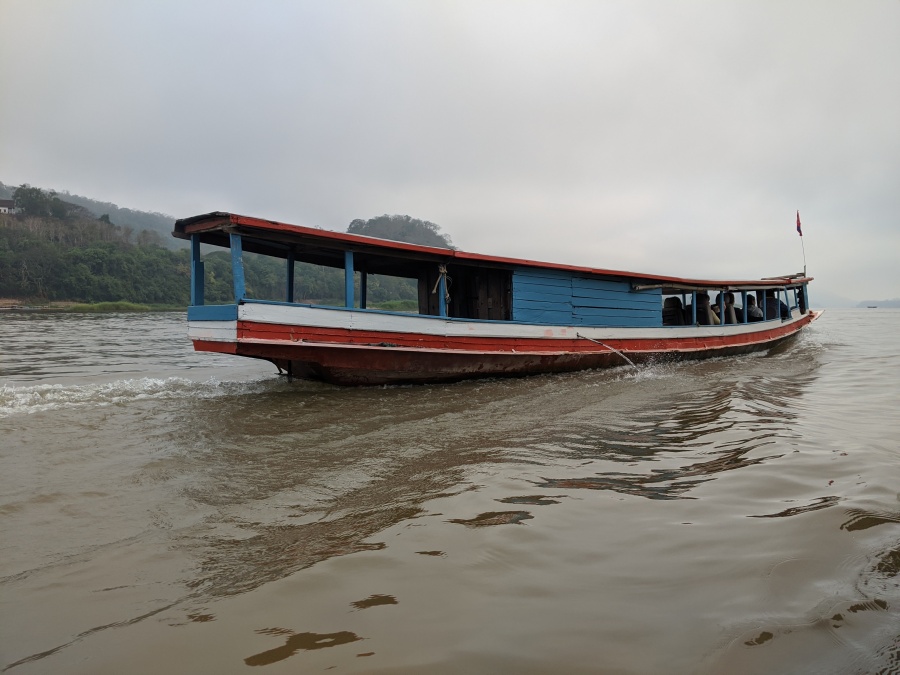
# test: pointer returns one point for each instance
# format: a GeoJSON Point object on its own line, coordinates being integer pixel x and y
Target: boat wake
{"type": "Point", "coordinates": [19, 400]}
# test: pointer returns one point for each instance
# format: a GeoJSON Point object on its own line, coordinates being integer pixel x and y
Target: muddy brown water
{"type": "Point", "coordinates": [163, 511]}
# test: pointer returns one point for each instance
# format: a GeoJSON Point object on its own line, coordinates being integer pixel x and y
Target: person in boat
{"type": "Point", "coordinates": [776, 307]}
{"type": "Point", "coordinates": [730, 313]}
{"type": "Point", "coordinates": [754, 313]}
{"type": "Point", "coordinates": [705, 314]}
{"type": "Point", "coordinates": [673, 312]}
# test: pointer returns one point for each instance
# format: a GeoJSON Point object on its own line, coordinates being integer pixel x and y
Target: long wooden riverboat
{"type": "Point", "coordinates": [478, 315]}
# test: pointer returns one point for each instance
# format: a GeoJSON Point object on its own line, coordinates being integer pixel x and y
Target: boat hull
{"type": "Point", "coordinates": [347, 347]}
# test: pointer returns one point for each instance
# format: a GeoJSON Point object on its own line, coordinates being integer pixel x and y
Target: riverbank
{"type": "Point", "coordinates": [10, 304]}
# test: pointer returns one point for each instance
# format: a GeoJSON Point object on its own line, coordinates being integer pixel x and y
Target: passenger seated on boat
{"type": "Point", "coordinates": [754, 313]}
{"type": "Point", "coordinates": [673, 312]}
{"type": "Point", "coordinates": [730, 309]}
{"type": "Point", "coordinates": [705, 315]}
{"type": "Point", "coordinates": [776, 307]}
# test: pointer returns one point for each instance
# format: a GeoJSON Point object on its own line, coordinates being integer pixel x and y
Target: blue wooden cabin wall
{"type": "Point", "coordinates": [558, 298]}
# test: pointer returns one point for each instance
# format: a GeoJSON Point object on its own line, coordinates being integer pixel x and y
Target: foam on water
{"type": "Point", "coordinates": [17, 400]}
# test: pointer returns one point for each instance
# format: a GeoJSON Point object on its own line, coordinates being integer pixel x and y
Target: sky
{"type": "Point", "coordinates": [675, 138]}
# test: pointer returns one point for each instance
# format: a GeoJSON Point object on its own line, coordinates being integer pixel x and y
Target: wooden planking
{"type": "Point", "coordinates": [630, 320]}
{"type": "Point", "coordinates": [583, 283]}
{"type": "Point", "coordinates": [541, 297]}
{"type": "Point", "coordinates": [607, 313]}
{"type": "Point", "coordinates": [534, 296]}
{"type": "Point", "coordinates": [546, 297]}
{"type": "Point", "coordinates": [602, 302]}
{"type": "Point", "coordinates": [618, 301]}
{"type": "Point", "coordinates": [603, 293]}
{"type": "Point", "coordinates": [530, 290]}
{"type": "Point", "coordinates": [543, 277]}
{"type": "Point", "coordinates": [213, 313]}
{"type": "Point", "coordinates": [549, 316]}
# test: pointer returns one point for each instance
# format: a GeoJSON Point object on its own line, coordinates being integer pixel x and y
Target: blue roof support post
{"type": "Point", "coordinates": [237, 268]}
{"type": "Point", "coordinates": [289, 286]}
{"type": "Point", "coordinates": [348, 279]}
{"type": "Point", "coordinates": [197, 274]}
{"type": "Point", "coordinates": [765, 316]}
{"type": "Point", "coordinates": [363, 284]}
{"type": "Point", "coordinates": [787, 302]}
{"type": "Point", "coordinates": [442, 295]}
{"type": "Point", "coordinates": [722, 307]}
{"type": "Point", "coordinates": [744, 305]}
{"type": "Point", "coordinates": [693, 308]}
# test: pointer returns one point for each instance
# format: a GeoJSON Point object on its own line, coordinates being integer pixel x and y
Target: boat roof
{"type": "Point", "coordinates": [384, 256]}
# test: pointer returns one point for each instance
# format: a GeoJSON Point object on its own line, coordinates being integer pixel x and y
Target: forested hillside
{"type": "Point", "coordinates": [55, 251]}
{"type": "Point", "coordinates": [158, 223]}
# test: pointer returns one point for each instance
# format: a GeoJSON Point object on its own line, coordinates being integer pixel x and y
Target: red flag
{"type": "Point", "coordinates": [799, 231]}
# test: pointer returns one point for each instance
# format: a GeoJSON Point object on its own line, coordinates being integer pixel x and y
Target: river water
{"type": "Point", "coordinates": [163, 511]}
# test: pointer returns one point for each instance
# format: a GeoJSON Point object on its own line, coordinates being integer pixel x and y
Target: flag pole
{"type": "Point", "coordinates": [803, 248]}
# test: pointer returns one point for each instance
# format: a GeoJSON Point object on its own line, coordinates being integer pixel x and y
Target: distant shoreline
{"type": "Point", "coordinates": [8, 305]}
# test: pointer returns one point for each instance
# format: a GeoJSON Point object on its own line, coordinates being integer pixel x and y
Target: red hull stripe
{"type": "Point", "coordinates": [299, 335]}
{"type": "Point", "coordinates": [351, 357]}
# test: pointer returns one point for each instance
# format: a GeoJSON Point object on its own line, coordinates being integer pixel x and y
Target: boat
{"type": "Point", "coordinates": [477, 315]}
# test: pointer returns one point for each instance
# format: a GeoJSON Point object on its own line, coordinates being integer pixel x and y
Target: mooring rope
{"type": "Point", "coordinates": [442, 274]}
{"type": "Point", "coordinates": [612, 349]}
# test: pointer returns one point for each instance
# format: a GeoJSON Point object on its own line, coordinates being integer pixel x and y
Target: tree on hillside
{"type": "Point", "coordinates": [31, 201]}
{"type": "Point", "coordinates": [402, 228]}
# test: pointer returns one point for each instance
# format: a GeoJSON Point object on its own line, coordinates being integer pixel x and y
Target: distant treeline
{"type": "Point", "coordinates": [73, 257]}
{"type": "Point", "coordinates": [159, 223]}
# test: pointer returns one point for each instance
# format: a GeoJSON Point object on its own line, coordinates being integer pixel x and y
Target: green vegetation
{"type": "Point", "coordinates": [402, 228]}
{"type": "Point", "coordinates": [110, 307]}
{"type": "Point", "coordinates": [398, 305]}
{"type": "Point", "coordinates": [155, 225]}
{"type": "Point", "coordinates": [54, 251]}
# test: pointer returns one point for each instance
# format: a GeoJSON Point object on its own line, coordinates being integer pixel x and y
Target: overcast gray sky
{"type": "Point", "coordinates": [657, 136]}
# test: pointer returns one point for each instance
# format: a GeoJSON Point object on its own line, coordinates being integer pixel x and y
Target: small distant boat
{"type": "Point", "coordinates": [478, 315]}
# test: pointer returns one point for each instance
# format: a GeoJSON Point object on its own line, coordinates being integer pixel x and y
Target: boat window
{"type": "Point", "coordinates": [264, 276]}
{"type": "Point", "coordinates": [320, 285]}
{"type": "Point", "coordinates": [395, 294]}
{"type": "Point", "coordinates": [673, 310]}
{"type": "Point", "coordinates": [217, 277]}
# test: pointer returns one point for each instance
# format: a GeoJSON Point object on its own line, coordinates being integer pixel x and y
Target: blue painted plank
{"type": "Point", "coordinates": [624, 321]}
{"type": "Point", "coordinates": [289, 279]}
{"type": "Point", "coordinates": [548, 317]}
{"type": "Point", "coordinates": [534, 285]}
{"type": "Point", "coordinates": [237, 268]}
{"type": "Point", "coordinates": [624, 301]}
{"type": "Point", "coordinates": [213, 313]}
{"type": "Point", "coordinates": [615, 313]}
{"type": "Point", "coordinates": [542, 279]}
{"type": "Point", "coordinates": [540, 296]}
{"type": "Point", "coordinates": [348, 279]}
{"type": "Point", "coordinates": [197, 272]}
{"type": "Point", "coordinates": [605, 284]}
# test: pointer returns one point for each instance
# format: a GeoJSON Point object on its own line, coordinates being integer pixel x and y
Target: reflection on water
{"type": "Point", "coordinates": [815, 505]}
{"type": "Point", "coordinates": [494, 518]}
{"type": "Point", "coordinates": [297, 641]}
{"type": "Point", "coordinates": [863, 520]}
{"type": "Point", "coordinates": [374, 601]}
{"type": "Point", "coordinates": [731, 423]}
